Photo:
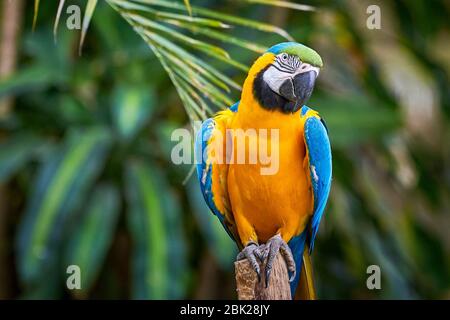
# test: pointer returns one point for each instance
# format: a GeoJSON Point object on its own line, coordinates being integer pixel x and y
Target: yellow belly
{"type": "Point", "coordinates": [264, 205]}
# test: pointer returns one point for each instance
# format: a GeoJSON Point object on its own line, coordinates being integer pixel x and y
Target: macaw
{"type": "Point", "coordinates": [280, 212]}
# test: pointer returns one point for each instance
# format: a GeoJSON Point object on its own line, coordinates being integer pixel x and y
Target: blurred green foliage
{"type": "Point", "coordinates": [86, 176]}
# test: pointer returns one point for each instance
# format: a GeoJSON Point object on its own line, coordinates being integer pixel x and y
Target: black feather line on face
{"type": "Point", "coordinates": [268, 99]}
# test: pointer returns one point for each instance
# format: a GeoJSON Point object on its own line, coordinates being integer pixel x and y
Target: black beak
{"type": "Point", "coordinates": [304, 86]}
{"type": "Point", "coordinates": [298, 90]}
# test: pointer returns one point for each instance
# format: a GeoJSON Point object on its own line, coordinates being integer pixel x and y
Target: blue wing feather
{"type": "Point", "coordinates": [319, 152]}
{"type": "Point", "coordinates": [204, 171]}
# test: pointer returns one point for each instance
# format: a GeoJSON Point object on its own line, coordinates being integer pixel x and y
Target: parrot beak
{"type": "Point", "coordinates": [304, 86]}
{"type": "Point", "coordinates": [299, 89]}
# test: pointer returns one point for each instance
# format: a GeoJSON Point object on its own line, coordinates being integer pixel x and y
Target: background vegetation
{"type": "Point", "coordinates": [85, 142]}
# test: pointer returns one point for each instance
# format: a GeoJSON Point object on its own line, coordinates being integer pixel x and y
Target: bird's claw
{"type": "Point", "coordinates": [270, 251]}
{"type": "Point", "coordinates": [252, 251]}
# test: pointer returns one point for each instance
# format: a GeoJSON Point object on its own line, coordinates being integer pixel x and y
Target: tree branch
{"type": "Point", "coordinates": [248, 287]}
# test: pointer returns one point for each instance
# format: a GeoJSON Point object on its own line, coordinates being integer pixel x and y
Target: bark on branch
{"type": "Point", "coordinates": [248, 287]}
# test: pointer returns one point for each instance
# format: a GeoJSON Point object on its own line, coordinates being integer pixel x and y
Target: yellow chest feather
{"type": "Point", "coordinates": [277, 200]}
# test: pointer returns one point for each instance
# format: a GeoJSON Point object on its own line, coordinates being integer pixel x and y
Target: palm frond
{"type": "Point", "coordinates": [175, 30]}
{"type": "Point", "coordinates": [58, 16]}
{"type": "Point", "coordinates": [187, 3]}
{"type": "Point", "coordinates": [283, 4]}
{"type": "Point", "coordinates": [35, 14]}
{"type": "Point", "coordinates": [173, 35]}
{"type": "Point", "coordinates": [90, 7]}
{"type": "Point", "coordinates": [231, 19]}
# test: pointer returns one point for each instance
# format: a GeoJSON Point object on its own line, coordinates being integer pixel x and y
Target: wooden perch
{"type": "Point", "coordinates": [247, 285]}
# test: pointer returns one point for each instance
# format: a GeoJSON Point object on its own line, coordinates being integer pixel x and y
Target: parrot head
{"type": "Point", "coordinates": [287, 81]}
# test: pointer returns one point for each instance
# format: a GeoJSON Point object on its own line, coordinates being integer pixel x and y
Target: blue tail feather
{"type": "Point", "coordinates": [297, 245]}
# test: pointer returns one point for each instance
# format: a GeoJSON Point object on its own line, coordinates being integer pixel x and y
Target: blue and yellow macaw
{"type": "Point", "coordinates": [280, 212]}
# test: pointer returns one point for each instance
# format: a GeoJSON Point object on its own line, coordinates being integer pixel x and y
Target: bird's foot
{"type": "Point", "coordinates": [273, 245]}
{"type": "Point", "coordinates": [252, 251]}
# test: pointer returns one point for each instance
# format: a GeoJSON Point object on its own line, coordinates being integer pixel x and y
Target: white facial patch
{"type": "Point", "coordinates": [275, 78]}
{"type": "Point", "coordinates": [285, 67]}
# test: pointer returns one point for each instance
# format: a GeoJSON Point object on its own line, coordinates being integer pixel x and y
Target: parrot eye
{"type": "Point", "coordinates": [284, 57]}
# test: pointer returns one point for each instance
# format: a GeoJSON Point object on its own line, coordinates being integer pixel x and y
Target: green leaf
{"type": "Point", "coordinates": [154, 220]}
{"type": "Point", "coordinates": [161, 15]}
{"type": "Point", "coordinates": [90, 8]}
{"type": "Point", "coordinates": [193, 110]}
{"type": "Point", "coordinates": [283, 4]}
{"type": "Point", "coordinates": [196, 44]}
{"type": "Point", "coordinates": [58, 61]}
{"type": "Point", "coordinates": [15, 152]}
{"type": "Point", "coordinates": [218, 241]}
{"type": "Point", "coordinates": [28, 80]}
{"type": "Point", "coordinates": [220, 36]}
{"type": "Point", "coordinates": [202, 85]}
{"type": "Point", "coordinates": [195, 21]}
{"type": "Point", "coordinates": [60, 188]}
{"type": "Point", "coordinates": [210, 50]}
{"type": "Point", "coordinates": [265, 27]}
{"type": "Point", "coordinates": [193, 61]}
{"type": "Point", "coordinates": [93, 235]}
{"type": "Point", "coordinates": [58, 16]}
{"type": "Point", "coordinates": [35, 14]}
{"type": "Point", "coordinates": [187, 3]}
{"type": "Point", "coordinates": [132, 107]}
{"type": "Point", "coordinates": [166, 44]}
{"type": "Point", "coordinates": [193, 105]}
{"type": "Point", "coordinates": [190, 96]}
